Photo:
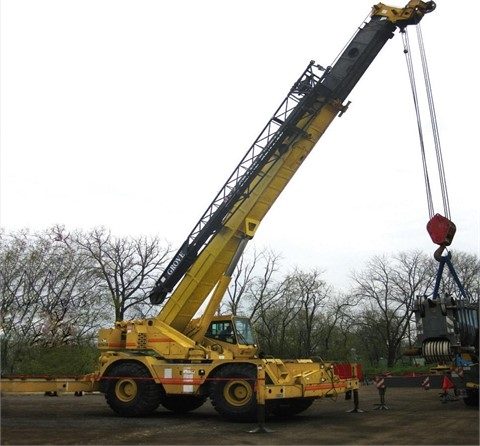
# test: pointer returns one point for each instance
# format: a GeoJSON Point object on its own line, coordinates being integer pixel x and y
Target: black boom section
{"type": "Point", "coordinates": [358, 55]}
{"type": "Point", "coordinates": [315, 87]}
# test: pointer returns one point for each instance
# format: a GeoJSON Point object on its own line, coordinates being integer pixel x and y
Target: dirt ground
{"type": "Point", "coordinates": [409, 416]}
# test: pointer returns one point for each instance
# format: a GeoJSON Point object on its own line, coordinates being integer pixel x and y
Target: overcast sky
{"type": "Point", "coordinates": [132, 114]}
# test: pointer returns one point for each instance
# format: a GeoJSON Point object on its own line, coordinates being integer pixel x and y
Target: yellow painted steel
{"type": "Point", "coordinates": [88, 383]}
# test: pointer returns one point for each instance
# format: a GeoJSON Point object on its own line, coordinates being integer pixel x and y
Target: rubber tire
{"type": "Point", "coordinates": [232, 392]}
{"type": "Point", "coordinates": [183, 403]}
{"type": "Point", "coordinates": [289, 407]}
{"type": "Point", "coordinates": [472, 400]}
{"type": "Point", "coordinates": [130, 397]}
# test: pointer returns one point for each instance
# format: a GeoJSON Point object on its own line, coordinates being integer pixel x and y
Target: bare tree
{"type": "Point", "coordinates": [233, 302]}
{"type": "Point", "coordinates": [313, 293]}
{"type": "Point", "coordinates": [48, 298]}
{"type": "Point", "coordinates": [346, 313]}
{"type": "Point", "coordinates": [127, 268]}
{"type": "Point", "coordinates": [12, 287]}
{"type": "Point", "coordinates": [467, 269]}
{"type": "Point", "coordinates": [276, 320]}
{"type": "Point", "coordinates": [333, 330]}
{"type": "Point", "coordinates": [257, 292]}
{"type": "Point", "coordinates": [252, 276]}
{"type": "Point", "coordinates": [387, 289]}
{"type": "Point", "coordinates": [294, 316]}
{"type": "Point", "coordinates": [263, 289]}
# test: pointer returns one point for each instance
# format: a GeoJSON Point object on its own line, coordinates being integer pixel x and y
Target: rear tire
{"type": "Point", "coordinates": [130, 390]}
{"type": "Point", "coordinates": [232, 392]}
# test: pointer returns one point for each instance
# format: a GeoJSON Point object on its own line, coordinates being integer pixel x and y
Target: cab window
{"type": "Point", "coordinates": [222, 330]}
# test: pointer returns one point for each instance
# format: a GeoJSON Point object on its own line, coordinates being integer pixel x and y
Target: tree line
{"type": "Point", "coordinates": [59, 287]}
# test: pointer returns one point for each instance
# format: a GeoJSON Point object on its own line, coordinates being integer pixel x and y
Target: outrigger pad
{"type": "Point", "coordinates": [441, 230]}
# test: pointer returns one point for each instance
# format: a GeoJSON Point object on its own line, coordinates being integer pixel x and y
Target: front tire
{"type": "Point", "coordinates": [131, 391]}
{"type": "Point", "coordinates": [232, 392]}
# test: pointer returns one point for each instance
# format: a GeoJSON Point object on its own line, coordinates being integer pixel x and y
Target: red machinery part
{"type": "Point", "coordinates": [441, 230]}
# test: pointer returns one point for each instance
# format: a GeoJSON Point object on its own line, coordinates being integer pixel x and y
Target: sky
{"type": "Point", "coordinates": [132, 114]}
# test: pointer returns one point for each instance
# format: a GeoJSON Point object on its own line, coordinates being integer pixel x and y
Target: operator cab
{"type": "Point", "coordinates": [233, 330]}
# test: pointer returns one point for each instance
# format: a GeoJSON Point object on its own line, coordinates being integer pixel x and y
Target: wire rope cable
{"type": "Point", "coordinates": [433, 120]}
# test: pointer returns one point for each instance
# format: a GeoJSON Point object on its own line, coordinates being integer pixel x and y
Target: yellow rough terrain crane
{"type": "Point", "coordinates": [179, 361]}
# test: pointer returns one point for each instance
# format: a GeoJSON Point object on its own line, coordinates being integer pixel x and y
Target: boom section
{"type": "Point", "coordinates": [314, 100]}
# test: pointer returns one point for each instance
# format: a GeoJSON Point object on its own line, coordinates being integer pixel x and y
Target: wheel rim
{"type": "Point", "coordinates": [238, 393]}
{"type": "Point", "coordinates": [126, 390]}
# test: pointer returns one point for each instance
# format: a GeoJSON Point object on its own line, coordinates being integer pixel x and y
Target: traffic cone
{"type": "Point", "coordinates": [426, 383]}
{"type": "Point", "coordinates": [447, 384]}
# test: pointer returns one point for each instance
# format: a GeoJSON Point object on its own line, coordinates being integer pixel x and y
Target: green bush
{"type": "Point", "coordinates": [397, 370]}
{"type": "Point", "coordinates": [66, 360]}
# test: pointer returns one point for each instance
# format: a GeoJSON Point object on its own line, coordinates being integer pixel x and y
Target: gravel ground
{"type": "Point", "coordinates": [409, 416]}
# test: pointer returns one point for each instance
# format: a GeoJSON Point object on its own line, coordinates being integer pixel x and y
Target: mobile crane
{"type": "Point", "coordinates": [179, 361]}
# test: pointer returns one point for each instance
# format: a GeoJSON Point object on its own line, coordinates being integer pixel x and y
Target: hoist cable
{"type": "Point", "coordinates": [434, 124]}
{"type": "Point", "coordinates": [433, 118]}
{"type": "Point", "coordinates": [408, 58]}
